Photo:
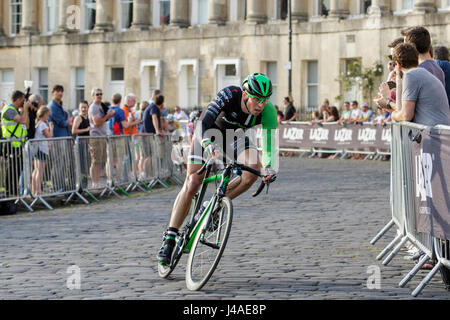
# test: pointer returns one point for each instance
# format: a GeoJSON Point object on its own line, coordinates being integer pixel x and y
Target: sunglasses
{"type": "Point", "coordinates": [99, 94]}
{"type": "Point", "coordinates": [261, 100]}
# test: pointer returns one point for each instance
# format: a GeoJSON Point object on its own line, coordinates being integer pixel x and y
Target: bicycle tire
{"type": "Point", "coordinates": [195, 282]}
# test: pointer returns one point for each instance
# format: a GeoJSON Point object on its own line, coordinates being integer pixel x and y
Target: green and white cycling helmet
{"type": "Point", "coordinates": [258, 86]}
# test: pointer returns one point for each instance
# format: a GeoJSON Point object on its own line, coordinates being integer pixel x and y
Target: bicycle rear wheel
{"type": "Point", "coordinates": [208, 246]}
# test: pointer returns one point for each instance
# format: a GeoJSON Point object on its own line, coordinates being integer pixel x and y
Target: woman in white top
{"type": "Point", "coordinates": [44, 130]}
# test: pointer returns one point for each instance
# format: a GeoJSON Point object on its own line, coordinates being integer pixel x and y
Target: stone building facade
{"type": "Point", "coordinates": [192, 48]}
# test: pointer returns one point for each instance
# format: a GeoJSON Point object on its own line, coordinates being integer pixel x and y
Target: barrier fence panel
{"type": "Point", "coordinates": [396, 189]}
{"type": "Point", "coordinates": [420, 199]}
{"type": "Point", "coordinates": [162, 163]}
{"type": "Point", "coordinates": [146, 162]}
{"type": "Point", "coordinates": [93, 158]}
{"type": "Point", "coordinates": [120, 163]}
{"type": "Point", "coordinates": [12, 174]}
{"type": "Point", "coordinates": [51, 170]}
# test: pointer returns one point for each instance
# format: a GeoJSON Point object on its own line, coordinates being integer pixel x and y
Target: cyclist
{"type": "Point", "coordinates": [233, 108]}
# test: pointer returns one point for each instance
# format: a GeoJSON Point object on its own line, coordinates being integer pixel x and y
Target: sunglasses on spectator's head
{"type": "Point", "coordinates": [260, 100]}
{"type": "Point", "coordinates": [390, 57]}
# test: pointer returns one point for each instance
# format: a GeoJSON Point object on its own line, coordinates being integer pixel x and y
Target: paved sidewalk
{"type": "Point", "coordinates": [307, 239]}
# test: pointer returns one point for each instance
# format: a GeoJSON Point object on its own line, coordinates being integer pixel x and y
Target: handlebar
{"type": "Point", "coordinates": [210, 162]}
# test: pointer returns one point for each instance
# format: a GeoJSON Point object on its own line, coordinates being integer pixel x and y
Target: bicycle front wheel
{"type": "Point", "coordinates": [208, 246]}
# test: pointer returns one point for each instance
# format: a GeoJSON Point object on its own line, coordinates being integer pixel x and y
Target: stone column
{"type": "Point", "coordinates": [29, 17]}
{"type": "Point", "coordinates": [256, 11]}
{"type": "Point", "coordinates": [62, 15]}
{"type": "Point", "coordinates": [179, 13]}
{"type": "Point", "coordinates": [299, 10]}
{"type": "Point", "coordinates": [339, 8]}
{"type": "Point", "coordinates": [104, 17]}
{"type": "Point", "coordinates": [425, 6]}
{"type": "Point", "coordinates": [2, 19]}
{"type": "Point", "coordinates": [217, 12]}
{"type": "Point", "coordinates": [379, 7]}
{"type": "Point", "coordinates": [141, 14]}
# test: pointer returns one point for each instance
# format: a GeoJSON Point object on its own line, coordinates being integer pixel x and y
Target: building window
{"type": "Point", "coordinates": [324, 7]}
{"type": "Point", "coordinates": [312, 85]}
{"type": "Point", "coordinates": [116, 81]}
{"type": "Point", "coordinates": [199, 11]}
{"type": "Point", "coordinates": [90, 9]}
{"type": "Point", "coordinates": [51, 13]}
{"type": "Point", "coordinates": [352, 66]}
{"type": "Point", "coordinates": [230, 70]}
{"type": "Point", "coordinates": [271, 72]}
{"type": "Point", "coordinates": [238, 10]}
{"type": "Point", "coordinates": [161, 12]}
{"type": "Point", "coordinates": [188, 83]}
{"type": "Point", "coordinates": [282, 9]}
{"type": "Point", "coordinates": [407, 4]}
{"type": "Point", "coordinates": [227, 73]}
{"type": "Point", "coordinates": [79, 85]}
{"type": "Point", "coordinates": [126, 14]}
{"type": "Point", "coordinates": [16, 16]}
{"type": "Point", "coordinates": [43, 83]}
{"type": "Point", "coordinates": [364, 6]}
{"type": "Point", "coordinates": [6, 84]}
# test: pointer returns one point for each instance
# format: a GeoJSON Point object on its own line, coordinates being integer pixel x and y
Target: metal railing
{"type": "Point", "coordinates": [67, 168]}
{"type": "Point", "coordinates": [404, 135]}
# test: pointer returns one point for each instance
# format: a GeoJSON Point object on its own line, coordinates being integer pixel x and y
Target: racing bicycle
{"type": "Point", "coordinates": [204, 238]}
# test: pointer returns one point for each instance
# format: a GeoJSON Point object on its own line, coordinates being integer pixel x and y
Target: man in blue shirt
{"type": "Point", "coordinates": [441, 55]}
{"type": "Point", "coordinates": [119, 122]}
{"type": "Point", "coordinates": [61, 175]}
{"type": "Point", "coordinates": [58, 115]}
{"type": "Point", "coordinates": [153, 117]}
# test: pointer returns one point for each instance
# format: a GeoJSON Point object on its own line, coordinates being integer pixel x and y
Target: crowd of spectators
{"type": "Point", "coordinates": [27, 118]}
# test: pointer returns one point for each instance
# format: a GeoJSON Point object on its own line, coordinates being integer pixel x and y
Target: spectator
{"type": "Point", "coordinates": [14, 126]}
{"type": "Point", "coordinates": [442, 59]}
{"type": "Point", "coordinates": [346, 113]}
{"type": "Point", "coordinates": [152, 117]}
{"type": "Point", "coordinates": [98, 117]}
{"type": "Point", "coordinates": [356, 112]}
{"type": "Point", "coordinates": [180, 114]}
{"type": "Point", "coordinates": [36, 103]}
{"type": "Point", "coordinates": [155, 93]}
{"type": "Point", "coordinates": [423, 98]}
{"type": "Point", "coordinates": [391, 64]}
{"type": "Point", "coordinates": [130, 102]}
{"type": "Point", "coordinates": [44, 130]}
{"type": "Point", "coordinates": [81, 125]}
{"type": "Point", "coordinates": [421, 39]}
{"type": "Point", "coordinates": [280, 115]}
{"type": "Point", "coordinates": [290, 114]}
{"type": "Point", "coordinates": [139, 114]}
{"type": "Point", "coordinates": [383, 117]}
{"type": "Point", "coordinates": [119, 122]}
{"type": "Point", "coordinates": [326, 104]}
{"type": "Point", "coordinates": [366, 114]}
{"type": "Point", "coordinates": [333, 115]}
{"type": "Point", "coordinates": [58, 115]}
{"type": "Point", "coordinates": [182, 119]}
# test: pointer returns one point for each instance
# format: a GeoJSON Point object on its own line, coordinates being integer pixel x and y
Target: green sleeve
{"type": "Point", "coordinates": [269, 123]}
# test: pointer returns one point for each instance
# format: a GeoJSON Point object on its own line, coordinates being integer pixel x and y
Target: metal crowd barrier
{"type": "Point", "coordinates": [121, 164]}
{"type": "Point", "coordinates": [164, 165]}
{"type": "Point", "coordinates": [12, 175]}
{"type": "Point", "coordinates": [50, 169]}
{"type": "Point", "coordinates": [403, 211]}
{"type": "Point", "coordinates": [145, 162]}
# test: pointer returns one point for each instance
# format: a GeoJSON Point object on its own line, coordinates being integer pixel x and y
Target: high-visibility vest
{"type": "Point", "coordinates": [8, 127]}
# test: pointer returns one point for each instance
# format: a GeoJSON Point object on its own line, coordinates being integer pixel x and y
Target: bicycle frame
{"type": "Point", "coordinates": [220, 192]}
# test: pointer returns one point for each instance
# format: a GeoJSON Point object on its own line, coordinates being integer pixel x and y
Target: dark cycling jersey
{"type": "Point", "coordinates": [225, 112]}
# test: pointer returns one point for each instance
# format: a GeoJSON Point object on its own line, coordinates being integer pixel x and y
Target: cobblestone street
{"type": "Point", "coordinates": [307, 239]}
